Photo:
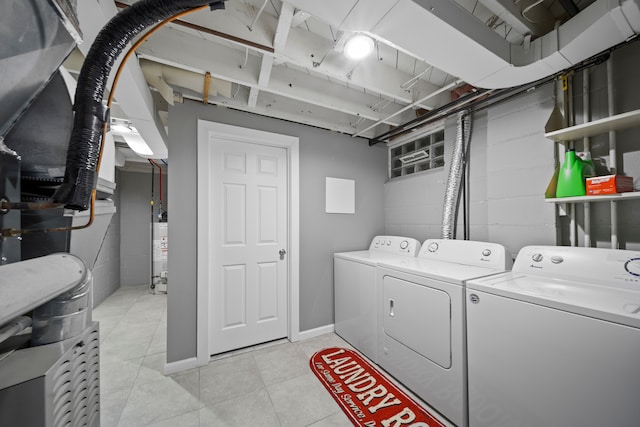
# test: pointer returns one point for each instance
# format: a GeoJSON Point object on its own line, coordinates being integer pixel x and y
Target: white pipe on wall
{"type": "Point", "coordinates": [613, 161]}
{"type": "Point", "coordinates": [586, 116]}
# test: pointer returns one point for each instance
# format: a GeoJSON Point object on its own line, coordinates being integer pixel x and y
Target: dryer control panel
{"type": "Point", "coordinates": [468, 252]}
{"type": "Point", "coordinates": [395, 244]}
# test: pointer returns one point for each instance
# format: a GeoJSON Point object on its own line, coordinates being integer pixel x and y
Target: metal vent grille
{"type": "Point", "coordinates": [53, 385]}
{"type": "Point", "coordinates": [76, 391]}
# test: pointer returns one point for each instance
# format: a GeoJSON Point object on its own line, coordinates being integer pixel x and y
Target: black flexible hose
{"type": "Point", "coordinates": [90, 113]}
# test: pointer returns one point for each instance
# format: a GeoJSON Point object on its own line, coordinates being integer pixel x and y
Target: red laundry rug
{"type": "Point", "coordinates": [367, 397]}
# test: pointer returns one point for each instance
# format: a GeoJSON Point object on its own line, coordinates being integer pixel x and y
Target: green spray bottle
{"type": "Point", "coordinates": [571, 176]}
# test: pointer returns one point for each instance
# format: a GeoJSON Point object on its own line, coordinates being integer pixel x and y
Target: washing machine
{"type": "Point", "coordinates": [355, 291]}
{"type": "Point", "coordinates": [556, 342]}
{"type": "Point", "coordinates": [421, 321]}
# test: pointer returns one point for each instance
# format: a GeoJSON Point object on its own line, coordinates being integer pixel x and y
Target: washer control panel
{"type": "Point", "coordinates": [596, 265]}
{"type": "Point", "coordinates": [395, 244]}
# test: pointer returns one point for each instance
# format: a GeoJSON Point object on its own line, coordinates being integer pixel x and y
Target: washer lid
{"type": "Point", "coordinates": [439, 270]}
{"type": "Point", "coordinates": [369, 257]}
{"type": "Point", "coordinates": [613, 303]}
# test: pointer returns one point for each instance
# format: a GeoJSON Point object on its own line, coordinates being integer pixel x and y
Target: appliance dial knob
{"type": "Point", "coordinates": [486, 252]}
{"type": "Point", "coordinates": [633, 266]}
{"type": "Point", "coordinates": [556, 259]}
{"type": "Point", "coordinates": [404, 244]}
{"type": "Point", "coordinates": [433, 246]}
{"type": "Point", "coordinates": [537, 257]}
{"type": "Point", "coordinates": [388, 242]}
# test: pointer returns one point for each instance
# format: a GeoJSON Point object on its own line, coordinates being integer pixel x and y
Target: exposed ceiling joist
{"type": "Point", "coordinates": [279, 41]}
{"type": "Point", "coordinates": [173, 49]}
{"type": "Point", "coordinates": [179, 47]}
{"type": "Point", "coordinates": [263, 79]}
{"type": "Point", "coordinates": [299, 17]}
{"type": "Point", "coordinates": [285, 58]}
{"type": "Point", "coordinates": [273, 105]}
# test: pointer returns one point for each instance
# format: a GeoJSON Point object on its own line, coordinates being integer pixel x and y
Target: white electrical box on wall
{"type": "Point", "coordinates": [160, 277]}
{"type": "Point", "coordinates": [340, 196]}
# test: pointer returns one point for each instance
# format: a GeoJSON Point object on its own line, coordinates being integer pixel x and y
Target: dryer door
{"type": "Point", "coordinates": [419, 317]}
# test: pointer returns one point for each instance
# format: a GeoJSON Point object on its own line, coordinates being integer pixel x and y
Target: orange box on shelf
{"type": "Point", "coordinates": [609, 184]}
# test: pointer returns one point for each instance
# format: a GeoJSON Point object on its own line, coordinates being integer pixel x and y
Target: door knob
{"type": "Point", "coordinates": [282, 253]}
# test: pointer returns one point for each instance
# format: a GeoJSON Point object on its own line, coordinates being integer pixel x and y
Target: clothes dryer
{"type": "Point", "coordinates": [556, 341]}
{"type": "Point", "coordinates": [422, 321]}
{"type": "Point", "coordinates": [355, 289]}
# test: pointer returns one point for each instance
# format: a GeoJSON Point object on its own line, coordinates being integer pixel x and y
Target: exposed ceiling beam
{"type": "Point", "coordinates": [176, 48]}
{"type": "Point", "coordinates": [273, 105]}
{"type": "Point", "coordinates": [263, 79]}
{"type": "Point", "coordinates": [369, 75]}
{"type": "Point", "coordinates": [279, 40]}
{"type": "Point", "coordinates": [284, 25]}
{"type": "Point", "coordinates": [299, 17]}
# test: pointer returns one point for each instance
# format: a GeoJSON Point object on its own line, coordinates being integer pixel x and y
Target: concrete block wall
{"type": "Point", "coordinates": [519, 166]}
{"type": "Point", "coordinates": [510, 165]}
{"type": "Point", "coordinates": [413, 205]}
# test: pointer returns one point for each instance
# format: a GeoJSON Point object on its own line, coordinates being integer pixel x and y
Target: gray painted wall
{"type": "Point", "coordinates": [135, 230]}
{"type": "Point", "coordinates": [322, 154]}
{"type": "Point", "coordinates": [511, 164]}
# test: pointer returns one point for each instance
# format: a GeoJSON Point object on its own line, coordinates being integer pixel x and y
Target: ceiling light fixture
{"type": "Point", "coordinates": [137, 144]}
{"type": "Point", "coordinates": [358, 46]}
{"type": "Point", "coordinates": [131, 136]}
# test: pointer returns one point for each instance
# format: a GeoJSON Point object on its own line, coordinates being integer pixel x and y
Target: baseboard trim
{"type": "Point", "coordinates": [316, 332]}
{"type": "Point", "coordinates": [180, 365]}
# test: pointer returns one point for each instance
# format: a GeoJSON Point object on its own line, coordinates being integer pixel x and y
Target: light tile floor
{"type": "Point", "coordinates": [265, 386]}
{"type": "Point", "coordinates": [269, 385]}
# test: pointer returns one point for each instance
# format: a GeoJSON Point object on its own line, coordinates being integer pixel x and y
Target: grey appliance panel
{"type": "Point", "coordinates": [531, 365]}
{"type": "Point", "coordinates": [34, 44]}
{"type": "Point", "coordinates": [355, 296]}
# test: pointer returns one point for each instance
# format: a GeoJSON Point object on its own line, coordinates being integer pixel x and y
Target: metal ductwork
{"type": "Point", "coordinates": [471, 51]}
{"type": "Point", "coordinates": [455, 179]}
{"type": "Point", "coordinates": [40, 44]}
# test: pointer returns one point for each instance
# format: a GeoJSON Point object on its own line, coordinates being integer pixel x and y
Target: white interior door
{"type": "Point", "coordinates": [248, 244]}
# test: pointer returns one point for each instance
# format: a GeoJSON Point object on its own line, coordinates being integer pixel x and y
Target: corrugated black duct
{"type": "Point", "coordinates": [90, 113]}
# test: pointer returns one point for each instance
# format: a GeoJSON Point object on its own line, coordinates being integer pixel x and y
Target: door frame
{"type": "Point", "coordinates": [291, 145]}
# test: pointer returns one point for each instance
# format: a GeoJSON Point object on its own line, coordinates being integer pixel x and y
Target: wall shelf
{"type": "Point", "coordinates": [596, 127]}
{"type": "Point", "coordinates": [602, 198]}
